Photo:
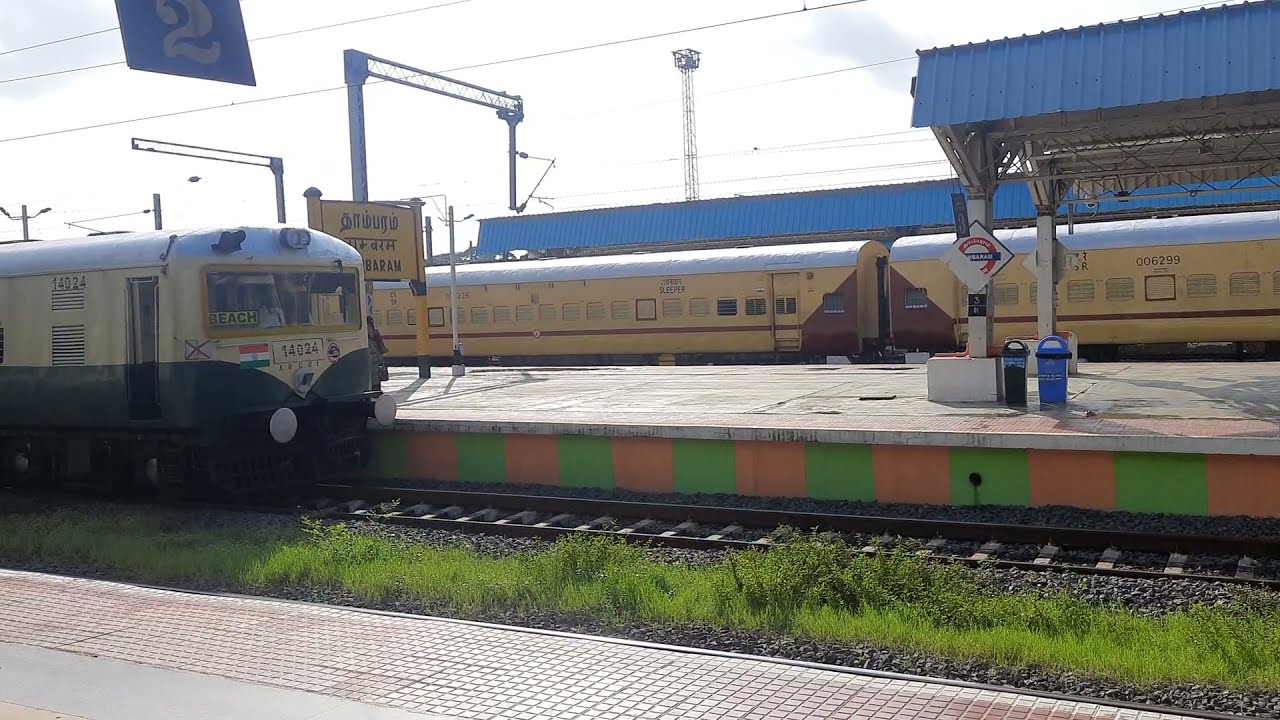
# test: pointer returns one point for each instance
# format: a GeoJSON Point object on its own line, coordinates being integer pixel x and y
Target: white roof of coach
{"type": "Point", "coordinates": [143, 249]}
{"type": "Point", "coordinates": [674, 263]}
{"type": "Point", "coordinates": [1233, 227]}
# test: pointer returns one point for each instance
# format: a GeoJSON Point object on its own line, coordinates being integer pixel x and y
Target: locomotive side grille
{"type": "Point", "coordinates": [68, 299]}
{"type": "Point", "coordinates": [68, 344]}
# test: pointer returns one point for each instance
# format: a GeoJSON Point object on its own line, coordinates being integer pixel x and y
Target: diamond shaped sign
{"type": "Point", "coordinates": [976, 258]}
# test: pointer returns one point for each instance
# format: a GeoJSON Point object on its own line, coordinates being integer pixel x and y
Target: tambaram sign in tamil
{"type": "Point", "coordinates": [192, 38]}
{"type": "Point", "coordinates": [976, 257]}
{"type": "Point", "coordinates": [387, 235]}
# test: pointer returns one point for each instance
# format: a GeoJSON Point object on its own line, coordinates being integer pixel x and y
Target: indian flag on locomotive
{"type": "Point", "coordinates": [255, 356]}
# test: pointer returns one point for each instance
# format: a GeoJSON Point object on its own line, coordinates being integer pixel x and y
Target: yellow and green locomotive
{"type": "Point", "coordinates": [234, 359]}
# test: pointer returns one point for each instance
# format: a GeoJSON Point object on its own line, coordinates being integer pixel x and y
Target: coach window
{"type": "Point", "coordinates": [1202, 286]}
{"type": "Point", "coordinates": [377, 317]}
{"type": "Point", "coordinates": [524, 313]}
{"type": "Point", "coordinates": [435, 317]}
{"type": "Point", "coordinates": [1119, 289]}
{"type": "Point", "coordinates": [1035, 293]}
{"type": "Point", "coordinates": [1, 346]}
{"type": "Point", "coordinates": [620, 310]}
{"type": "Point", "coordinates": [480, 316]}
{"type": "Point", "coordinates": [727, 307]}
{"type": "Point", "coordinates": [462, 316]}
{"type": "Point", "coordinates": [595, 311]}
{"type": "Point", "coordinates": [395, 317]}
{"type": "Point", "coordinates": [546, 313]}
{"type": "Point", "coordinates": [1245, 283]}
{"type": "Point", "coordinates": [1080, 291]}
{"type": "Point", "coordinates": [571, 312]}
{"type": "Point", "coordinates": [672, 308]}
{"type": "Point", "coordinates": [501, 314]}
{"type": "Point", "coordinates": [412, 317]}
{"type": "Point", "coordinates": [757, 306]}
{"type": "Point", "coordinates": [916, 299]}
{"type": "Point", "coordinates": [699, 307]}
{"type": "Point", "coordinates": [833, 303]}
{"type": "Point", "coordinates": [1161, 287]}
{"type": "Point", "coordinates": [784, 306]}
{"type": "Point", "coordinates": [1275, 283]}
{"type": "Point", "coordinates": [1005, 294]}
{"type": "Point", "coordinates": [646, 309]}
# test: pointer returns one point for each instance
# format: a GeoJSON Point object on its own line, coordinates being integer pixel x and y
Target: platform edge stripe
{"type": "Point", "coordinates": [390, 455]}
{"type": "Point", "coordinates": [704, 466]}
{"type": "Point", "coordinates": [433, 456]}
{"type": "Point", "coordinates": [912, 474]}
{"type": "Point", "coordinates": [1081, 478]}
{"type": "Point", "coordinates": [1151, 483]}
{"type": "Point", "coordinates": [1175, 444]}
{"type": "Point", "coordinates": [1004, 476]}
{"type": "Point", "coordinates": [643, 464]}
{"type": "Point", "coordinates": [839, 472]}
{"type": "Point", "coordinates": [585, 461]}
{"type": "Point", "coordinates": [531, 459]}
{"type": "Point", "coordinates": [1240, 485]}
{"type": "Point", "coordinates": [769, 469]}
{"type": "Point", "coordinates": [482, 458]}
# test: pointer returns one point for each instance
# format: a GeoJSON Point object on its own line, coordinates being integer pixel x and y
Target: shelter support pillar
{"type": "Point", "coordinates": [1046, 273]}
{"type": "Point", "coordinates": [981, 328]}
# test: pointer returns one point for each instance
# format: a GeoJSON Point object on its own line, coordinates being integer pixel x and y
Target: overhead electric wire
{"type": "Point", "coordinates": [288, 33]}
{"type": "Point", "coordinates": [47, 43]}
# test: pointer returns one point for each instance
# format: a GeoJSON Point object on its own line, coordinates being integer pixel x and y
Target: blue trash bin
{"type": "Point", "coordinates": [1052, 356]}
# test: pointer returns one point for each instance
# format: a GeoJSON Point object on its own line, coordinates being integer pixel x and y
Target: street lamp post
{"type": "Point", "coordinates": [25, 218]}
{"type": "Point", "coordinates": [272, 163]}
{"type": "Point", "coordinates": [459, 366]}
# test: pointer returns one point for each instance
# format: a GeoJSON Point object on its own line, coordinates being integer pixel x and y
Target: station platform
{"type": "Point", "coordinates": [1191, 438]}
{"type": "Point", "coordinates": [100, 650]}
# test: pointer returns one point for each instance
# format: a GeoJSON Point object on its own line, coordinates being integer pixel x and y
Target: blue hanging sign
{"type": "Point", "coordinates": [202, 39]}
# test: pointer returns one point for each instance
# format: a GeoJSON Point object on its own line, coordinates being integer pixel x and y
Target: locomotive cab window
{"type": "Point", "coordinates": [435, 317]}
{"type": "Point", "coordinates": [833, 303]}
{"type": "Point", "coordinates": [248, 301]}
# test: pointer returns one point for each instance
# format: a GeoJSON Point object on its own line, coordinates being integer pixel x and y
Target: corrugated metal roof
{"type": "Point", "coordinates": [892, 208]}
{"type": "Point", "coordinates": [1223, 50]}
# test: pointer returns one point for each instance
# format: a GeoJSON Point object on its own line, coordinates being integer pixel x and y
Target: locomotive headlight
{"type": "Point", "coordinates": [384, 410]}
{"type": "Point", "coordinates": [283, 425]}
{"type": "Point", "coordinates": [295, 238]}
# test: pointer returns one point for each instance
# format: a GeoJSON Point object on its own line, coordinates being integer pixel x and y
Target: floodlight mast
{"type": "Point", "coordinates": [361, 66]}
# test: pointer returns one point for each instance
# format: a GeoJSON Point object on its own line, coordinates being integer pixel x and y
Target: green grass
{"type": "Point", "coordinates": [809, 587]}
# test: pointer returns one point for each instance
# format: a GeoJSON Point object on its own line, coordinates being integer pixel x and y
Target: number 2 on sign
{"type": "Point", "coordinates": [178, 43]}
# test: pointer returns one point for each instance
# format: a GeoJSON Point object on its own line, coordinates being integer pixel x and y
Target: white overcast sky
{"type": "Point", "coordinates": [610, 116]}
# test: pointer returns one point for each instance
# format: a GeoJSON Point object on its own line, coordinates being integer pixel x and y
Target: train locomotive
{"type": "Point", "coordinates": [226, 359]}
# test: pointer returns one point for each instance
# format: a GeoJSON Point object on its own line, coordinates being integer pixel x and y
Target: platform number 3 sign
{"type": "Point", "coordinates": [203, 39]}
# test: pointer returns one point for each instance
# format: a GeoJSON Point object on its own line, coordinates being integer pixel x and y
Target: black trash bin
{"type": "Point", "coordinates": [1014, 361]}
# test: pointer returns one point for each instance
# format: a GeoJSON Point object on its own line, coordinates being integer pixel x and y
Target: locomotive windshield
{"type": "Point", "coordinates": [255, 300]}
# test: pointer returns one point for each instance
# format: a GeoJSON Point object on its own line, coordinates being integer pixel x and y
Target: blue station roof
{"type": "Point", "coordinates": [898, 210]}
{"type": "Point", "coordinates": [1224, 50]}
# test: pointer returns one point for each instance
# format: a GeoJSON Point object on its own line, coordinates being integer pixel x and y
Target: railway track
{"type": "Point", "coordinates": [1035, 548]}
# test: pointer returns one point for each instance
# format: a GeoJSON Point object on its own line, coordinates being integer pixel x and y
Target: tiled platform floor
{"type": "Point", "coordinates": [462, 670]}
{"type": "Point", "coordinates": [1226, 408]}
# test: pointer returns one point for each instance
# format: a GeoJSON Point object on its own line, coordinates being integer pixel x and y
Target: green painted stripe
{"type": "Point", "coordinates": [1004, 477]}
{"type": "Point", "coordinates": [586, 461]}
{"type": "Point", "coordinates": [839, 472]}
{"type": "Point", "coordinates": [703, 466]}
{"type": "Point", "coordinates": [255, 363]}
{"type": "Point", "coordinates": [1157, 482]}
{"type": "Point", "coordinates": [390, 455]}
{"type": "Point", "coordinates": [482, 458]}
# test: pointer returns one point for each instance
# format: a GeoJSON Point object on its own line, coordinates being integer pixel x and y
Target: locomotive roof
{"type": "Point", "coordinates": [144, 249]}
{"type": "Point", "coordinates": [1195, 229]}
{"type": "Point", "coordinates": [671, 263]}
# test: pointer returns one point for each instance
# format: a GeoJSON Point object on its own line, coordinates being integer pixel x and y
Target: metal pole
{"type": "Point", "coordinates": [355, 125]}
{"type": "Point", "coordinates": [155, 210]}
{"type": "Point", "coordinates": [511, 160]}
{"type": "Point", "coordinates": [26, 234]}
{"type": "Point", "coordinates": [277, 169]}
{"type": "Point", "coordinates": [459, 367]}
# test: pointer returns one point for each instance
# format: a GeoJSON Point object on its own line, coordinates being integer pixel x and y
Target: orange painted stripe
{"type": "Point", "coordinates": [643, 464]}
{"type": "Point", "coordinates": [912, 474]}
{"type": "Point", "coordinates": [771, 469]}
{"type": "Point", "coordinates": [1243, 485]}
{"type": "Point", "coordinates": [532, 459]}
{"type": "Point", "coordinates": [433, 456]}
{"type": "Point", "coordinates": [1072, 477]}
{"type": "Point", "coordinates": [1170, 315]}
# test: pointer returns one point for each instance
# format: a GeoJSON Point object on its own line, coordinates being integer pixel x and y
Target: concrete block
{"type": "Point", "coordinates": [838, 360]}
{"type": "Point", "coordinates": [917, 358]}
{"type": "Point", "coordinates": [963, 380]}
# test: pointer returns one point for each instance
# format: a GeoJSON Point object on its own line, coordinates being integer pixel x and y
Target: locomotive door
{"type": "Point", "coordinates": [143, 380]}
{"type": "Point", "coordinates": [786, 311]}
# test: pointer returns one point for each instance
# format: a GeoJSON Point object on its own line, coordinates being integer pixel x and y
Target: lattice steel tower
{"type": "Point", "coordinates": [687, 61]}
